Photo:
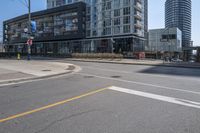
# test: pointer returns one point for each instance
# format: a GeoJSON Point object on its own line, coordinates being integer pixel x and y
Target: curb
{"type": "Point", "coordinates": [34, 78]}
{"type": "Point", "coordinates": [162, 65]}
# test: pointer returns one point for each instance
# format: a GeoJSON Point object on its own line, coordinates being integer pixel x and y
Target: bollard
{"type": "Point", "coordinates": [18, 56]}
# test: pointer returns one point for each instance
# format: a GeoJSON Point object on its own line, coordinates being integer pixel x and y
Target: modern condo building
{"type": "Point", "coordinates": [124, 22]}
{"type": "Point", "coordinates": [118, 26]}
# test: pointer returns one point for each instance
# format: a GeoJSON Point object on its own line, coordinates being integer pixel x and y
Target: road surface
{"type": "Point", "coordinates": [105, 98]}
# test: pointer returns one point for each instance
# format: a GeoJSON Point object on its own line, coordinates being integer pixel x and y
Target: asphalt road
{"type": "Point", "coordinates": [105, 98]}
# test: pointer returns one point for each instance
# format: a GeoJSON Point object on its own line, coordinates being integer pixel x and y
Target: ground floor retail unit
{"type": "Point", "coordinates": [105, 45]}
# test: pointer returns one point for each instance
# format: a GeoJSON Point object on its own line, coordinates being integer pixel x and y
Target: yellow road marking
{"type": "Point", "coordinates": [51, 105]}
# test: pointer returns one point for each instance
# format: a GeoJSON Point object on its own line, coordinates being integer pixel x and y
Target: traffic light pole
{"type": "Point", "coordinates": [29, 29]}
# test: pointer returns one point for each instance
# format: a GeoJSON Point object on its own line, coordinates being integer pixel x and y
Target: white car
{"type": "Point", "coordinates": [176, 60]}
{"type": "Point", "coordinates": [191, 61]}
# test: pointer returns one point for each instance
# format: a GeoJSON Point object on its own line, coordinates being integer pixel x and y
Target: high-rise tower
{"type": "Point", "coordinates": [178, 14]}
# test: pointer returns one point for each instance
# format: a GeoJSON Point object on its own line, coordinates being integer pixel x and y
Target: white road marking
{"type": "Point", "coordinates": [173, 100]}
{"type": "Point", "coordinates": [141, 83]}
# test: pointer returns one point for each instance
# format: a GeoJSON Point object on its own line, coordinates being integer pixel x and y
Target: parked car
{"type": "Point", "coordinates": [191, 61]}
{"type": "Point", "coordinates": [176, 60]}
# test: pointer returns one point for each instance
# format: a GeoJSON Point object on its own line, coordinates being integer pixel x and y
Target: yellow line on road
{"type": "Point", "coordinates": [51, 105]}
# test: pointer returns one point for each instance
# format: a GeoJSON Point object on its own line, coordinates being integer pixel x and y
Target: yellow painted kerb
{"type": "Point", "coordinates": [51, 105]}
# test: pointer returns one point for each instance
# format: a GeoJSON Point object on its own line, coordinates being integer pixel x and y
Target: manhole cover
{"type": "Point", "coordinates": [88, 76]}
{"type": "Point", "coordinates": [115, 76]}
{"type": "Point", "coordinates": [46, 70]}
{"type": "Point", "coordinates": [70, 68]}
{"type": "Point", "coordinates": [16, 86]}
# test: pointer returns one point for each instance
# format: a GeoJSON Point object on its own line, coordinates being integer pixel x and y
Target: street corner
{"type": "Point", "coordinates": [65, 66]}
{"type": "Point", "coordinates": [15, 71]}
{"type": "Point", "coordinates": [58, 68]}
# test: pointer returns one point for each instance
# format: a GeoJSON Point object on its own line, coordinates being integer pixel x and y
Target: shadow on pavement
{"type": "Point", "coordinates": [174, 71]}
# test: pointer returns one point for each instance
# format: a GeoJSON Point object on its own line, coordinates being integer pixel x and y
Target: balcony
{"type": "Point", "coordinates": [138, 26]}
{"type": "Point", "coordinates": [139, 1]}
{"type": "Point", "coordinates": [138, 32]}
{"type": "Point", "coordinates": [138, 16]}
{"type": "Point", "coordinates": [138, 7]}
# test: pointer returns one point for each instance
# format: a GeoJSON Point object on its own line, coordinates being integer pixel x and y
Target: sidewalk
{"type": "Point", "coordinates": [20, 70]}
{"type": "Point", "coordinates": [140, 62]}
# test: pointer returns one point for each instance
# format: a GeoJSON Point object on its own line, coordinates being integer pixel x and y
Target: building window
{"type": "Point", "coordinates": [126, 28]}
{"type": "Point", "coordinates": [116, 12]}
{"type": "Point", "coordinates": [53, 5]}
{"type": "Point", "coordinates": [108, 5]}
{"type": "Point", "coordinates": [69, 1]}
{"type": "Point", "coordinates": [107, 22]}
{"type": "Point", "coordinates": [126, 2]}
{"type": "Point", "coordinates": [116, 4]}
{"type": "Point", "coordinates": [88, 10]}
{"type": "Point", "coordinates": [126, 11]}
{"type": "Point", "coordinates": [116, 21]}
{"type": "Point", "coordinates": [170, 36]}
{"type": "Point", "coordinates": [106, 14]}
{"type": "Point", "coordinates": [126, 20]}
{"type": "Point", "coordinates": [107, 31]}
{"type": "Point", "coordinates": [117, 30]}
{"type": "Point", "coordinates": [88, 33]}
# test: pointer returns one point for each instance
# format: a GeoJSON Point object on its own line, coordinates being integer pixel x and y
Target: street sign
{"type": "Point", "coordinates": [29, 42]}
{"type": "Point", "coordinates": [33, 26]}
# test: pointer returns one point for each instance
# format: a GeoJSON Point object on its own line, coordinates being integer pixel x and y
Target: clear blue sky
{"type": "Point", "coordinates": [12, 8]}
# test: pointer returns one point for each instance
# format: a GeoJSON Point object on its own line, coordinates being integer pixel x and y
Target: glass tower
{"type": "Point", "coordinates": [178, 14]}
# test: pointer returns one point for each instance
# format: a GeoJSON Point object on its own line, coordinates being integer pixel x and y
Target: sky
{"type": "Point", "coordinates": [13, 8]}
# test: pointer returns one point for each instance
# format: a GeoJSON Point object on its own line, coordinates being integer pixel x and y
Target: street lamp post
{"type": "Point", "coordinates": [112, 41]}
{"type": "Point", "coordinates": [156, 45]}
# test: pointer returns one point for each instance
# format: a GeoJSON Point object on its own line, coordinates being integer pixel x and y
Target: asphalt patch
{"type": "Point", "coordinates": [15, 86]}
{"type": "Point", "coordinates": [88, 76]}
{"type": "Point", "coordinates": [46, 70]}
{"type": "Point", "coordinates": [116, 76]}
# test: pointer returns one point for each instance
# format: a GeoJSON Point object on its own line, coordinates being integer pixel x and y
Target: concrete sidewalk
{"type": "Point", "coordinates": [20, 70]}
{"type": "Point", "coordinates": [140, 62]}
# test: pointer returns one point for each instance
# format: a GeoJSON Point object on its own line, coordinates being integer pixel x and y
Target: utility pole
{"type": "Point", "coordinates": [29, 29]}
{"type": "Point", "coordinates": [112, 41]}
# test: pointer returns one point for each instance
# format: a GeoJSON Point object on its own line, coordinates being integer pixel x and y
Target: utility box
{"type": "Point", "coordinates": [139, 55]}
